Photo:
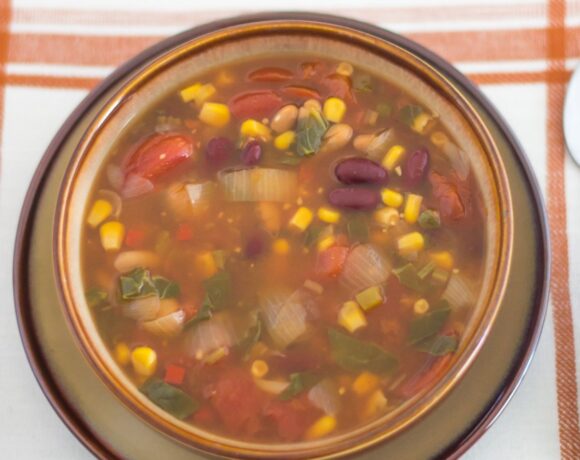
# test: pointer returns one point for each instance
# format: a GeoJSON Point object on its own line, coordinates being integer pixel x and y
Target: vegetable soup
{"type": "Point", "coordinates": [284, 249]}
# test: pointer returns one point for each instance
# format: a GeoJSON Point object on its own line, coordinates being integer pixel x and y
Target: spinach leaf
{"type": "Point", "coordinates": [429, 324]}
{"type": "Point", "coordinates": [252, 337]}
{"type": "Point", "coordinates": [165, 288]}
{"type": "Point", "coordinates": [96, 297]}
{"type": "Point", "coordinates": [169, 398]}
{"type": "Point", "coordinates": [358, 228]}
{"type": "Point", "coordinates": [409, 113]}
{"type": "Point", "coordinates": [407, 275]}
{"type": "Point", "coordinates": [217, 289]}
{"type": "Point", "coordinates": [137, 284]}
{"type": "Point", "coordinates": [363, 83]}
{"type": "Point", "coordinates": [426, 270]}
{"type": "Point", "coordinates": [384, 109]}
{"type": "Point", "coordinates": [309, 133]}
{"type": "Point", "coordinates": [299, 382]}
{"type": "Point", "coordinates": [204, 313]}
{"type": "Point", "coordinates": [311, 235]}
{"type": "Point", "coordinates": [355, 355]}
{"type": "Point", "coordinates": [438, 345]}
{"type": "Point", "coordinates": [429, 220]}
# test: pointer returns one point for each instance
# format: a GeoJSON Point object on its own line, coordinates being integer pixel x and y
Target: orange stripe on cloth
{"type": "Point", "coordinates": [48, 81]}
{"type": "Point", "coordinates": [485, 45]}
{"type": "Point", "coordinates": [5, 16]}
{"type": "Point", "coordinates": [560, 283]}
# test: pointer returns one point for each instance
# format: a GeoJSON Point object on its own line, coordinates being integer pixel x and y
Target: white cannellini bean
{"type": "Point", "coordinates": [129, 260]}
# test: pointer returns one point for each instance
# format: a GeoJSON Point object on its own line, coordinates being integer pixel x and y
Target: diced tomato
{"type": "Point", "coordinates": [237, 401]}
{"type": "Point", "coordinates": [255, 104]}
{"type": "Point", "coordinates": [339, 86]}
{"type": "Point", "coordinates": [425, 378]}
{"type": "Point", "coordinates": [134, 238]}
{"type": "Point", "coordinates": [453, 194]}
{"type": "Point", "coordinates": [189, 310]}
{"type": "Point", "coordinates": [341, 239]}
{"type": "Point", "coordinates": [158, 154]}
{"type": "Point", "coordinates": [174, 375]}
{"type": "Point", "coordinates": [184, 232]}
{"type": "Point", "coordinates": [301, 92]}
{"type": "Point", "coordinates": [330, 262]}
{"type": "Point", "coordinates": [312, 70]}
{"type": "Point", "coordinates": [270, 74]}
{"type": "Point", "coordinates": [205, 415]}
{"type": "Point", "coordinates": [291, 417]}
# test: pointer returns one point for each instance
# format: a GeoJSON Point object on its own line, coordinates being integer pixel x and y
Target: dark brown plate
{"type": "Point", "coordinates": [87, 407]}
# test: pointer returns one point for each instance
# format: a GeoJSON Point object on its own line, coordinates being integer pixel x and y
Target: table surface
{"type": "Point", "coordinates": [519, 52]}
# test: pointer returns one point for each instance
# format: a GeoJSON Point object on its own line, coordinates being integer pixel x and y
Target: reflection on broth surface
{"type": "Point", "coordinates": [284, 249]}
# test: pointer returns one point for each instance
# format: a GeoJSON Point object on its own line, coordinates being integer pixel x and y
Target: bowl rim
{"type": "Point", "coordinates": [21, 249]}
{"type": "Point", "coordinates": [353, 440]}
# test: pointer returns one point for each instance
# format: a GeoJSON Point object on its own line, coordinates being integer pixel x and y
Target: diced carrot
{"type": "Point", "coordinates": [134, 238]}
{"type": "Point", "coordinates": [174, 375]}
{"type": "Point", "coordinates": [184, 232]}
{"type": "Point", "coordinates": [330, 262]}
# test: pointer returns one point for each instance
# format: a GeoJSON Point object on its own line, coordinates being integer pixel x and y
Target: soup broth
{"type": "Point", "coordinates": [284, 249]}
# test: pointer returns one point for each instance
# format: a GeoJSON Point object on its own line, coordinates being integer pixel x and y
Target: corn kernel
{"type": "Point", "coordinates": [351, 317]}
{"type": "Point", "coordinates": [370, 298]}
{"type": "Point", "coordinates": [393, 157]}
{"type": "Point", "coordinates": [253, 128]}
{"type": "Point", "coordinates": [334, 109]}
{"type": "Point", "coordinates": [188, 94]}
{"type": "Point", "coordinates": [323, 426]}
{"type": "Point", "coordinates": [411, 242]}
{"type": "Point", "coordinates": [301, 218]}
{"type": "Point", "coordinates": [420, 307]}
{"type": "Point", "coordinates": [259, 368]}
{"type": "Point", "coordinates": [112, 235]}
{"type": "Point", "coordinates": [215, 114]}
{"type": "Point", "coordinates": [421, 122]}
{"type": "Point", "coordinates": [281, 246]}
{"type": "Point", "coordinates": [443, 259]}
{"type": "Point", "coordinates": [328, 215]}
{"type": "Point", "coordinates": [391, 197]}
{"type": "Point", "coordinates": [365, 383]}
{"type": "Point", "coordinates": [439, 139]}
{"type": "Point", "coordinates": [284, 140]}
{"type": "Point", "coordinates": [376, 403]}
{"type": "Point", "coordinates": [326, 243]}
{"type": "Point", "coordinates": [144, 360]}
{"type": "Point", "coordinates": [99, 212]}
{"type": "Point", "coordinates": [122, 353]}
{"type": "Point", "coordinates": [204, 93]}
{"type": "Point", "coordinates": [413, 207]}
{"type": "Point", "coordinates": [345, 69]}
{"type": "Point", "coordinates": [387, 217]}
{"type": "Point", "coordinates": [205, 264]}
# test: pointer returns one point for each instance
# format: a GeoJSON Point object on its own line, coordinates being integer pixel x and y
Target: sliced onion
{"type": "Point", "coordinates": [457, 158]}
{"type": "Point", "coordinates": [201, 193]}
{"type": "Point", "coordinates": [145, 309]}
{"type": "Point", "coordinates": [284, 317]}
{"type": "Point", "coordinates": [379, 144]}
{"type": "Point", "coordinates": [135, 186]}
{"type": "Point", "coordinates": [271, 386]}
{"type": "Point", "coordinates": [177, 200]}
{"type": "Point", "coordinates": [324, 395]}
{"type": "Point", "coordinates": [114, 199]}
{"type": "Point", "coordinates": [210, 335]}
{"type": "Point", "coordinates": [259, 184]}
{"type": "Point", "coordinates": [365, 266]}
{"type": "Point", "coordinates": [129, 260]}
{"type": "Point", "coordinates": [458, 292]}
{"type": "Point", "coordinates": [167, 326]}
{"type": "Point", "coordinates": [115, 176]}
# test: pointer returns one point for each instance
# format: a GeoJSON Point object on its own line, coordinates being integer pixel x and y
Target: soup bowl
{"type": "Point", "coordinates": [291, 35]}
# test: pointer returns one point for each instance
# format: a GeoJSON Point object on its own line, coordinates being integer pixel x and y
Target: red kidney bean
{"type": "Point", "coordinates": [416, 166]}
{"type": "Point", "coordinates": [255, 104]}
{"type": "Point", "coordinates": [251, 153]}
{"type": "Point", "coordinates": [360, 171]}
{"type": "Point", "coordinates": [354, 198]}
{"type": "Point", "coordinates": [218, 151]}
{"type": "Point", "coordinates": [270, 74]}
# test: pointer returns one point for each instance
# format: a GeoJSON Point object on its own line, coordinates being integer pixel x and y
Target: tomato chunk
{"type": "Point", "coordinates": [291, 417]}
{"type": "Point", "coordinates": [270, 74]}
{"type": "Point", "coordinates": [158, 154]}
{"type": "Point", "coordinates": [330, 262]}
{"type": "Point", "coordinates": [338, 86]}
{"type": "Point", "coordinates": [184, 232]}
{"type": "Point", "coordinates": [134, 238]}
{"type": "Point", "coordinates": [255, 104]}
{"type": "Point", "coordinates": [453, 195]}
{"type": "Point", "coordinates": [174, 375]}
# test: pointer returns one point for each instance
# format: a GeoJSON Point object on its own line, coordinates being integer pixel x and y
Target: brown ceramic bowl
{"type": "Point", "coordinates": [168, 71]}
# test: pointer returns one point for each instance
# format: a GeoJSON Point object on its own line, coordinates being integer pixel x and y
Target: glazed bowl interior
{"type": "Point", "coordinates": [178, 68]}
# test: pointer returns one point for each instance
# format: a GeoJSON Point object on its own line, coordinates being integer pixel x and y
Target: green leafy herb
{"type": "Point", "coordinates": [408, 277]}
{"type": "Point", "coordinates": [311, 235]}
{"type": "Point", "coordinates": [409, 113]}
{"type": "Point", "coordinates": [137, 284]}
{"type": "Point", "coordinates": [217, 289]}
{"type": "Point", "coordinates": [439, 276]}
{"type": "Point", "coordinates": [204, 313]}
{"type": "Point", "coordinates": [165, 288]}
{"type": "Point", "coordinates": [355, 355]}
{"type": "Point", "coordinates": [384, 109]}
{"type": "Point", "coordinates": [358, 228]}
{"type": "Point", "coordinates": [426, 270]}
{"type": "Point", "coordinates": [429, 324]}
{"type": "Point", "coordinates": [309, 133]}
{"type": "Point", "coordinates": [429, 219]}
{"type": "Point", "coordinates": [438, 345]}
{"type": "Point", "coordinates": [299, 382]}
{"type": "Point", "coordinates": [252, 337]}
{"type": "Point", "coordinates": [363, 83]}
{"type": "Point", "coordinates": [169, 398]}
{"type": "Point", "coordinates": [96, 297]}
